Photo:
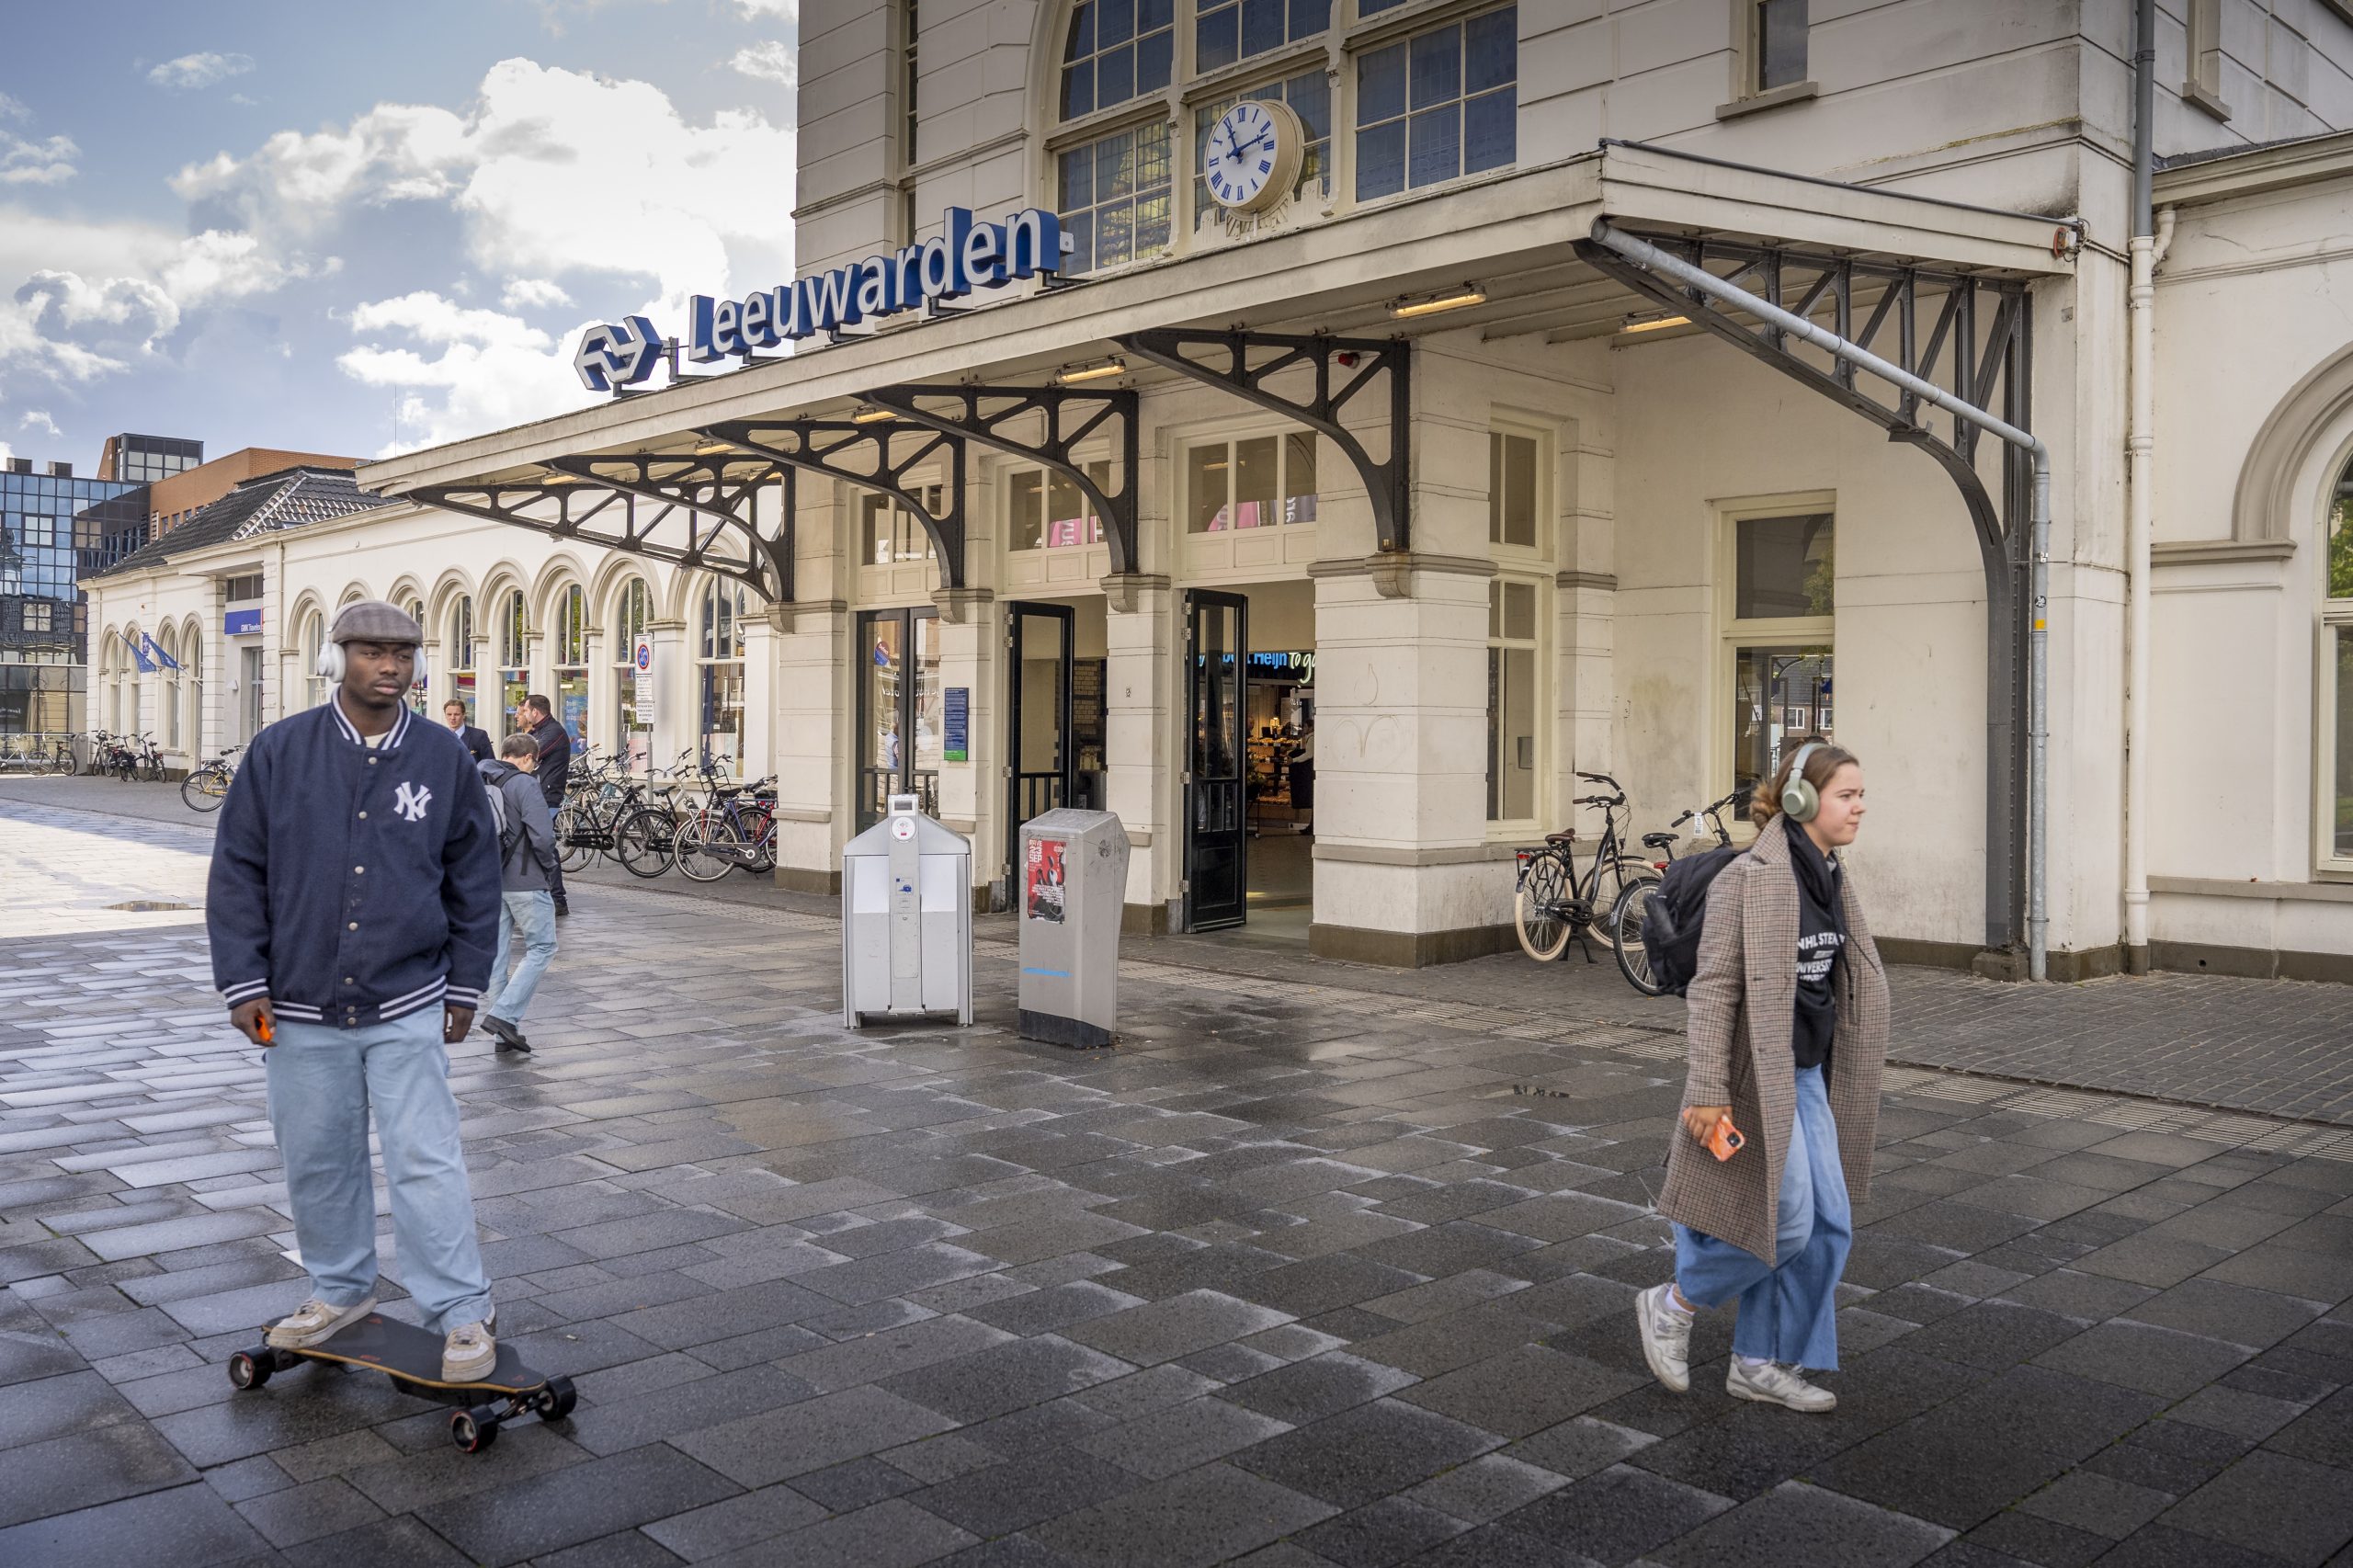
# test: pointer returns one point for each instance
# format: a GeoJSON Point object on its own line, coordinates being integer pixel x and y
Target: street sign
{"type": "Point", "coordinates": [640, 661]}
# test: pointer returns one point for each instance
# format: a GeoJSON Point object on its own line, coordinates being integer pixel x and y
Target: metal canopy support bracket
{"type": "Point", "coordinates": [877, 456]}
{"type": "Point", "coordinates": [1745, 300]}
{"type": "Point", "coordinates": [1357, 361]}
{"type": "Point", "coordinates": [1072, 415]}
{"type": "Point", "coordinates": [624, 501]}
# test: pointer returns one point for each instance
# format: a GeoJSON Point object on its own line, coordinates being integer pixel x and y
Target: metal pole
{"type": "Point", "coordinates": [1698, 279]}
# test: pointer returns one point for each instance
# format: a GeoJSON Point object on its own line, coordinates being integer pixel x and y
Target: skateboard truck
{"type": "Point", "coordinates": [412, 1358]}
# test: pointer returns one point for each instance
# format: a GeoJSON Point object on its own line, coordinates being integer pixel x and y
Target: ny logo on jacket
{"type": "Point", "coordinates": [410, 802]}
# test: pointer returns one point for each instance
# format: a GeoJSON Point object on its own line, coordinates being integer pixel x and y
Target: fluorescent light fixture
{"type": "Point", "coordinates": [866, 413]}
{"type": "Point", "coordinates": [1653, 323]}
{"type": "Point", "coordinates": [1095, 372]}
{"type": "Point", "coordinates": [712, 449]}
{"type": "Point", "coordinates": [1430, 304]}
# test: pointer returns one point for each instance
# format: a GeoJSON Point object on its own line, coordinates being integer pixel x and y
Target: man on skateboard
{"type": "Point", "coordinates": [352, 907]}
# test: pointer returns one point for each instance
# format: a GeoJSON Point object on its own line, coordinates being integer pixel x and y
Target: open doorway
{"type": "Point", "coordinates": [1055, 658]}
{"type": "Point", "coordinates": [1249, 792]}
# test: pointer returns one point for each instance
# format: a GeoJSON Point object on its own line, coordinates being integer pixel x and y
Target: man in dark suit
{"type": "Point", "coordinates": [555, 769]}
{"type": "Point", "coordinates": [453, 713]}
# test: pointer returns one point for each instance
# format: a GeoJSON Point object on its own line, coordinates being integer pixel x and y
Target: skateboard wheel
{"type": "Point", "coordinates": [251, 1368]}
{"type": "Point", "coordinates": [474, 1430]}
{"type": "Point", "coordinates": [554, 1401]}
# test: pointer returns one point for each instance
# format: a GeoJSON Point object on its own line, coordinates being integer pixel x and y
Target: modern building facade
{"type": "Point", "coordinates": [43, 637]}
{"type": "Point", "coordinates": [1412, 457]}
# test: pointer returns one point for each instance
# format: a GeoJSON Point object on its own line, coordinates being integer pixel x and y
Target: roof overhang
{"type": "Point", "coordinates": [1514, 235]}
{"type": "Point", "coordinates": [2310, 160]}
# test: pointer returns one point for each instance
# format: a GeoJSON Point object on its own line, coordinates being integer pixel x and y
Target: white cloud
{"type": "Point", "coordinates": [203, 69]}
{"type": "Point", "coordinates": [39, 419]}
{"type": "Point", "coordinates": [532, 294]}
{"type": "Point", "coordinates": [768, 61]}
{"type": "Point", "coordinates": [753, 10]}
{"type": "Point", "coordinates": [13, 109]}
{"type": "Point", "coordinates": [46, 162]}
{"type": "Point", "coordinates": [492, 370]}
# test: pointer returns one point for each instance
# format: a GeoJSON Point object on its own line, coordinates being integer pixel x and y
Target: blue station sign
{"type": "Point", "coordinates": [964, 257]}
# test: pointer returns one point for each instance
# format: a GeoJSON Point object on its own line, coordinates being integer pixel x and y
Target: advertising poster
{"type": "Point", "coordinates": [957, 746]}
{"type": "Point", "coordinates": [576, 718]}
{"type": "Point", "coordinates": [1043, 894]}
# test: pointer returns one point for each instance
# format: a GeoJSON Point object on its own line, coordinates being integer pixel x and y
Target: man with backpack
{"type": "Point", "coordinates": [555, 744]}
{"type": "Point", "coordinates": [527, 859]}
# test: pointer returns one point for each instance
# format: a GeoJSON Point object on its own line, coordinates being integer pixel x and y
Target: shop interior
{"type": "Point", "coordinates": [1280, 744]}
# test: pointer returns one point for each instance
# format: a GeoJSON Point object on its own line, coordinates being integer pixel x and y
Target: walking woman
{"type": "Point", "coordinates": [1788, 1025]}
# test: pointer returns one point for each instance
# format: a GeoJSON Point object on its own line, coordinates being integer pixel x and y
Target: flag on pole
{"type": "Point", "coordinates": [156, 653]}
{"type": "Point", "coordinates": [140, 654]}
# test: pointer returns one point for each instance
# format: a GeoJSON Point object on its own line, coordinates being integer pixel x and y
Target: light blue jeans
{"type": "Point", "coordinates": [1788, 1313]}
{"type": "Point", "coordinates": [531, 914]}
{"type": "Point", "coordinates": [322, 1083]}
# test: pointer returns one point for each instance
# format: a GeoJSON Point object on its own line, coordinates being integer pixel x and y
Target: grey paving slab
{"type": "Point", "coordinates": [579, 1503]}
{"type": "Point", "coordinates": [186, 1526]}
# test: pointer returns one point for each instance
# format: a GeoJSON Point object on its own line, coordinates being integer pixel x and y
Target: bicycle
{"type": "Point", "coordinates": [147, 765]}
{"type": "Point", "coordinates": [736, 831]}
{"type": "Point", "coordinates": [207, 784]}
{"type": "Point", "coordinates": [1628, 915]}
{"type": "Point", "coordinates": [1551, 903]}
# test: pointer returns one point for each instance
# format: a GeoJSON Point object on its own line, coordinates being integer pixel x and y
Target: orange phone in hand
{"type": "Point", "coordinates": [1724, 1140]}
{"type": "Point", "coordinates": [261, 1028]}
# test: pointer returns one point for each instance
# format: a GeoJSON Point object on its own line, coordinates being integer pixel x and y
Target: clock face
{"type": "Point", "coordinates": [1253, 157]}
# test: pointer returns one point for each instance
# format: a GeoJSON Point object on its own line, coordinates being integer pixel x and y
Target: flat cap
{"type": "Point", "coordinates": [373, 620]}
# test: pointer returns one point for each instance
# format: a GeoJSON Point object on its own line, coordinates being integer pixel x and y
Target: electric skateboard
{"type": "Point", "coordinates": [411, 1356]}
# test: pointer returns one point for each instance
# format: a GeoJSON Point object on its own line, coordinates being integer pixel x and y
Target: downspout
{"type": "Point", "coordinates": [1701, 280]}
{"type": "Point", "coordinates": [2140, 466]}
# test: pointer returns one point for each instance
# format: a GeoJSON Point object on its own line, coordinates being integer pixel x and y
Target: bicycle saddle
{"type": "Point", "coordinates": [1566, 835]}
{"type": "Point", "coordinates": [1659, 840]}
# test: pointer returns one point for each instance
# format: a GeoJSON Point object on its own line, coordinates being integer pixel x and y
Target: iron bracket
{"type": "Point", "coordinates": [871, 457]}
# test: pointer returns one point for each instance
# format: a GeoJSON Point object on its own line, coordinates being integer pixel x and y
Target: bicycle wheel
{"type": "Point", "coordinates": [204, 790]}
{"type": "Point", "coordinates": [1627, 917]}
{"type": "Point", "coordinates": [1537, 908]}
{"type": "Point", "coordinates": [710, 845]}
{"type": "Point", "coordinates": [759, 829]}
{"type": "Point", "coordinates": [643, 841]}
{"type": "Point", "coordinates": [575, 842]}
{"type": "Point", "coordinates": [1610, 883]}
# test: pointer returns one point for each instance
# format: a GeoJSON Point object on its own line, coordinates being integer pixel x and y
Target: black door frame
{"type": "Point", "coordinates": [1055, 787]}
{"type": "Point", "coordinates": [1197, 916]}
{"type": "Point", "coordinates": [903, 779]}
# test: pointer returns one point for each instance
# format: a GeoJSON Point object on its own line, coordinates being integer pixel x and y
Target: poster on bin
{"type": "Point", "coordinates": [1042, 898]}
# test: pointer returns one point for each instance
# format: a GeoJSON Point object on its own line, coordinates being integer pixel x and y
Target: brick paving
{"type": "Point", "coordinates": [1305, 1273]}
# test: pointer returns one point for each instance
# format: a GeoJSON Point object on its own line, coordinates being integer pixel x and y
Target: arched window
{"type": "Point", "coordinates": [169, 700]}
{"type": "Point", "coordinates": [414, 608]}
{"type": "Point", "coordinates": [514, 652]}
{"type": "Point", "coordinates": [719, 658]}
{"type": "Point", "coordinates": [192, 686]}
{"type": "Point", "coordinates": [457, 646]}
{"type": "Point", "coordinates": [572, 665]}
{"type": "Point", "coordinates": [633, 708]}
{"type": "Point", "coordinates": [108, 700]}
{"type": "Point", "coordinates": [2336, 679]}
{"type": "Point", "coordinates": [312, 641]}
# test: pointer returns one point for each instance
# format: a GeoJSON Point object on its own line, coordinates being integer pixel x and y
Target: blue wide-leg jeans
{"type": "Point", "coordinates": [1788, 1313]}
{"type": "Point", "coordinates": [530, 916]}
{"type": "Point", "coordinates": [322, 1083]}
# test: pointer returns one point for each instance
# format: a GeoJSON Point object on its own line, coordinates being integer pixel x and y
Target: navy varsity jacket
{"type": "Point", "coordinates": [354, 884]}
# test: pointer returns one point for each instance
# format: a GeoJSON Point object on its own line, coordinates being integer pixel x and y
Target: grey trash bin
{"type": "Point", "coordinates": [906, 919]}
{"type": "Point", "coordinates": [1073, 884]}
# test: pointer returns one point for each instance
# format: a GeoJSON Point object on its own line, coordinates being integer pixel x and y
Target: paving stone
{"type": "Point", "coordinates": [1180, 1436]}
{"type": "Point", "coordinates": [895, 1534]}
{"type": "Point", "coordinates": [1202, 1517]}
{"type": "Point", "coordinates": [746, 1519]}
{"type": "Point", "coordinates": [2099, 1503]}
{"type": "Point", "coordinates": [1366, 1453]}
{"type": "Point", "coordinates": [304, 1513]}
{"type": "Point", "coordinates": [1796, 1522]}
{"type": "Point", "coordinates": [2272, 1503]}
{"type": "Point", "coordinates": [83, 1469]}
{"type": "Point", "coordinates": [632, 1421]}
{"type": "Point", "coordinates": [186, 1526]}
{"type": "Point", "coordinates": [2022, 1536]}
{"type": "Point", "coordinates": [777, 1445]}
{"type": "Point", "coordinates": [1005, 1377]}
{"type": "Point", "coordinates": [1487, 1488]}
{"type": "Point", "coordinates": [578, 1503]}
{"type": "Point", "coordinates": [1321, 1386]}
{"type": "Point", "coordinates": [2155, 1360]}
{"type": "Point", "coordinates": [51, 1407]}
{"type": "Point", "coordinates": [1177, 1326]}
{"type": "Point", "coordinates": [1618, 1514]}
{"type": "Point", "coordinates": [1380, 1533]}
{"type": "Point", "coordinates": [1008, 1497]}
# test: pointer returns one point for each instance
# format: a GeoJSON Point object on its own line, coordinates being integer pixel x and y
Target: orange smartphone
{"type": "Point", "coordinates": [261, 1027]}
{"type": "Point", "coordinates": [1724, 1140]}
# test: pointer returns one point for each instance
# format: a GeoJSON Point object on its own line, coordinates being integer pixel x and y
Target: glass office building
{"type": "Point", "coordinates": [44, 650]}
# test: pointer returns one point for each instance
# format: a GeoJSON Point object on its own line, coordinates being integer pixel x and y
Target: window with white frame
{"type": "Point", "coordinates": [2336, 683]}
{"type": "Point", "coordinates": [1438, 106]}
{"type": "Point", "coordinates": [1225, 32]}
{"type": "Point", "coordinates": [889, 533]}
{"type": "Point", "coordinates": [1113, 195]}
{"type": "Point", "coordinates": [169, 644]}
{"type": "Point", "coordinates": [1773, 44]}
{"type": "Point", "coordinates": [458, 655]}
{"type": "Point", "coordinates": [39, 615]}
{"type": "Point", "coordinates": [720, 657]}
{"type": "Point", "coordinates": [1513, 503]}
{"type": "Point", "coordinates": [1115, 50]}
{"type": "Point", "coordinates": [1251, 481]}
{"type": "Point", "coordinates": [1046, 510]}
{"type": "Point", "coordinates": [572, 665]}
{"type": "Point", "coordinates": [513, 656]}
{"type": "Point", "coordinates": [632, 612]}
{"type": "Point", "coordinates": [1780, 603]}
{"type": "Point", "coordinates": [313, 642]}
{"type": "Point", "coordinates": [1515, 668]}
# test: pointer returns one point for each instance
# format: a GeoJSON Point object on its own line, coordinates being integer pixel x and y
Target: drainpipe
{"type": "Point", "coordinates": [2140, 464]}
{"type": "Point", "coordinates": [1644, 254]}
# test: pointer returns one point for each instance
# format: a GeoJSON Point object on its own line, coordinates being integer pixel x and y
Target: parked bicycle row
{"type": "Point", "coordinates": [688, 817]}
{"type": "Point", "coordinates": [1606, 902]}
{"type": "Point", "coordinates": [127, 757]}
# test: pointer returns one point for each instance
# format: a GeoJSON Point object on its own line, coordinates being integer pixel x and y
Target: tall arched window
{"type": "Point", "coordinates": [514, 656]}
{"type": "Point", "coordinates": [2337, 680]}
{"type": "Point", "coordinates": [719, 660]}
{"type": "Point", "coordinates": [633, 711]}
{"type": "Point", "coordinates": [571, 633]}
{"type": "Point", "coordinates": [192, 688]}
{"type": "Point", "coordinates": [457, 646]}
{"type": "Point", "coordinates": [168, 700]}
{"type": "Point", "coordinates": [109, 697]}
{"type": "Point", "coordinates": [414, 608]}
{"type": "Point", "coordinates": [312, 641]}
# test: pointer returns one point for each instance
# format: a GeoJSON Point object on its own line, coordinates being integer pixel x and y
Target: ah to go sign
{"type": "Point", "coordinates": [964, 257]}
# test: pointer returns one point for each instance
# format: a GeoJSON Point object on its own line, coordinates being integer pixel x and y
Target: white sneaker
{"type": "Point", "coordinates": [470, 1351]}
{"type": "Point", "coordinates": [1667, 1337]}
{"type": "Point", "coordinates": [1769, 1382]}
{"type": "Point", "coordinates": [315, 1321]}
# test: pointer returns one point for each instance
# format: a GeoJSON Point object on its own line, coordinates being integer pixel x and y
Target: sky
{"type": "Point", "coordinates": [289, 223]}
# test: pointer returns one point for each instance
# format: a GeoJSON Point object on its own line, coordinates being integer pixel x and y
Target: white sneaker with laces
{"type": "Point", "coordinates": [314, 1321]}
{"type": "Point", "coordinates": [1667, 1337]}
{"type": "Point", "coordinates": [1769, 1382]}
{"type": "Point", "coordinates": [470, 1351]}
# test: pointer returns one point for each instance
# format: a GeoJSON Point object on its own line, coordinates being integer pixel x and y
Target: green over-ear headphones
{"type": "Point", "coordinates": [1798, 799]}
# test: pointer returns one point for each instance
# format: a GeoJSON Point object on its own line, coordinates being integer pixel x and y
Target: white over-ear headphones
{"type": "Point", "coordinates": [331, 663]}
{"type": "Point", "coordinates": [1800, 801]}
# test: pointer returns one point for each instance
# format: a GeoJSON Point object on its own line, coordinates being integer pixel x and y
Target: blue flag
{"type": "Point", "coordinates": [156, 653]}
{"type": "Point", "coordinates": [140, 654]}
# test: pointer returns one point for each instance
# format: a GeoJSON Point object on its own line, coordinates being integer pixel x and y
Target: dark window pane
{"type": "Point", "coordinates": [1262, 25]}
{"type": "Point", "coordinates": [1154, 53]}
{"type": "Point", "coordinates": [1310, 97]}
{"type": "Point", "coordinates": [1215, 40]}
{"type": "Point", "coordinates": [1078, 89]}
{"type": "Point", "coordinates": [1081, 33]}
{"type": "Point", "coordinates": [1780, 43]}
{"type": "Point", "coordinates": [1785, 566]}
{"type": "Point", "coordinates": [1310, 17]}
{"type": "Point", "coordinates": [1381, 85]}
{"type": "Point", "coordinates": [1151, 14]}
{"type": "Point", "coordinates": [1115, 22]}
{"type": "Point", "coordinates": [1380, 161]}
{"type": "Point", "coordinates": [1438, 145]}
{"type": "Point", "coordinates": [1077, 177]}
{"type": "Point", "coordinates": [1490, 131]}
{"type": "Point", "coordinates": [1491, 47]}
{"type": "Point", "coordinates": [1080, 227]}
{"type": "Point", "coordinates": [1115, 76]}
{"type": "Point", "coordinates": [1438, 66]}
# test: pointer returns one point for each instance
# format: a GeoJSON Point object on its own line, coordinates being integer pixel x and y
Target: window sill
{"type": "Point", "coordinates": [1757, 103]}
{"type": "Point", "coordinates": [2195, 93]}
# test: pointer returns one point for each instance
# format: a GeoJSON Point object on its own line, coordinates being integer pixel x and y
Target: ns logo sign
{"type": "Point", "coordinates": [617, 355]}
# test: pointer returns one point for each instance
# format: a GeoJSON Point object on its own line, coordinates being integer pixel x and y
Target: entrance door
{"type": "Point", "coordinates": [1217, 643]}
{"type": "Point", "coordinates": [899, 710]}
{"type": "Point", "coordinates": [1038, 716]}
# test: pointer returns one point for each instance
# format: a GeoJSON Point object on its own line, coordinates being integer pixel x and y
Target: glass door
{"type": "Point", "coordinates": [1217, 643]}
{"type": "Point", "coordinates": [899, 710]}
{"type": "Point", "coordinates": [1037, 715]}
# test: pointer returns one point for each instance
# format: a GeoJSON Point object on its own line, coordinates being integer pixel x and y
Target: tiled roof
{"type": "Point", "coordinates": [288, 499]}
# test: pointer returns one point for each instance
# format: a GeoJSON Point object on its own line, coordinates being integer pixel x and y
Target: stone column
{"type": "Point", "coordinates": [677, 726]}
{"type": "Point", "coordinates": [1140, 731]}
{"type": "Point", "coordinates": [810, 741]}
{"type": "Point", "coordinates": [972, 793]}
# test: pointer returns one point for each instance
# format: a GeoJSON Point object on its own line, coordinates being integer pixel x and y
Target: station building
{"type": "Point", "coordinates": [1364, 472]}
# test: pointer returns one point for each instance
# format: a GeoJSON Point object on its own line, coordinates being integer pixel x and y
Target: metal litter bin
{"type": "Point", "coordinates": [1072, 885]}
{"type": "Point", "coordinates": [906, 919]}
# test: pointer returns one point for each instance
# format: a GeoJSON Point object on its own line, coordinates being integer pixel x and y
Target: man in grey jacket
{"type": "Point", "coordinates": [527, 872]}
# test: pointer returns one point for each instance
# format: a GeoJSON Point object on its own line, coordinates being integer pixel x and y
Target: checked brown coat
{"type": "Point", "coordinates": [1745, 992]}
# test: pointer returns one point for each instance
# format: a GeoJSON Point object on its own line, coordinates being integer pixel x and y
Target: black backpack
{"type": "Point", "coordinates": [1677, 914]}
{"type": "Point", "coordinates": [510, 825]}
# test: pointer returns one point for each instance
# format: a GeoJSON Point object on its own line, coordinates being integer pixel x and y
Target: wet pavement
{"type": "Point", "coordinates": [1311, 1270]}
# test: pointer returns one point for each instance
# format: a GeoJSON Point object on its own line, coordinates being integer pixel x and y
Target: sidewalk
{"type": "Point", "coordinates": [2271, 1048]}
